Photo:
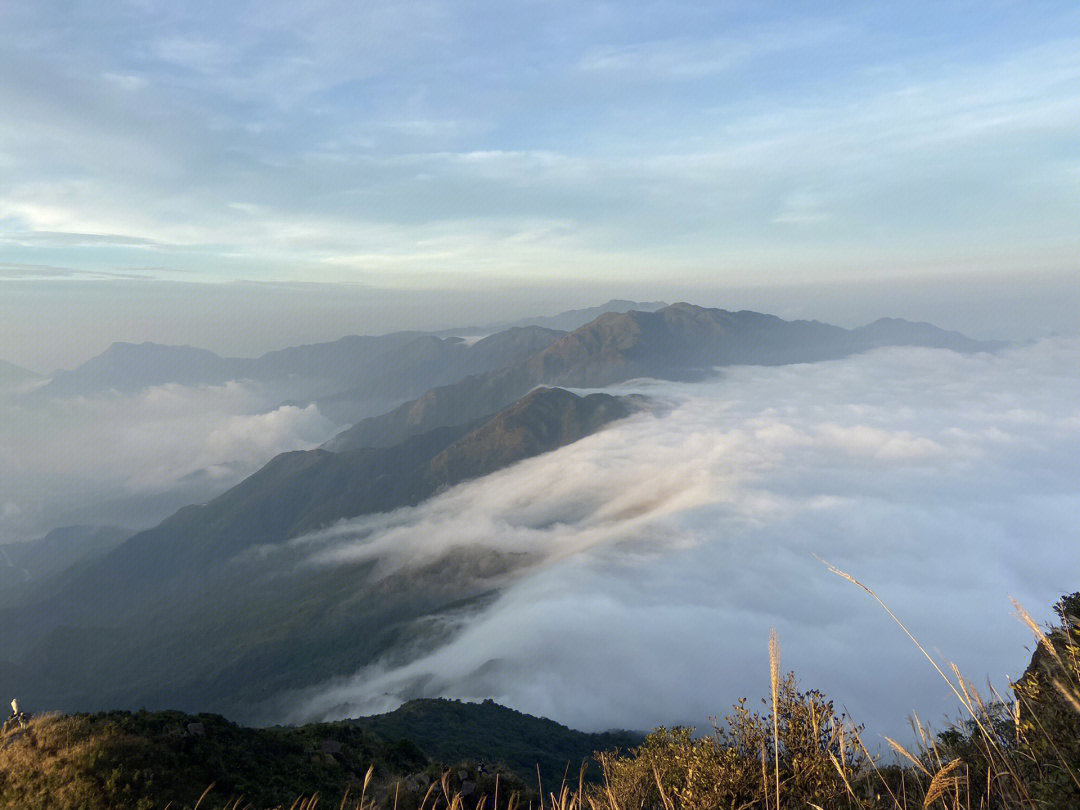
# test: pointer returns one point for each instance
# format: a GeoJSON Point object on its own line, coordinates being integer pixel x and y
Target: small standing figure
{"type": "Point", "coordinates": [17, 718]}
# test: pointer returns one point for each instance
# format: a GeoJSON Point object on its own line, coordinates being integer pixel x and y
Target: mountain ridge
{"type": "Point", "coordinates": [679, 342]}
{"type": "Point", "coordinates": [337, 374]}
{"type": "Point", "coordinates": [107, 620]}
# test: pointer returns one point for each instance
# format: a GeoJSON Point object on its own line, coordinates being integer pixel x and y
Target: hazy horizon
{"type": "Point", "coordinates": [246, 319]}
{"type": "Point", "coordinates": [472, 163]}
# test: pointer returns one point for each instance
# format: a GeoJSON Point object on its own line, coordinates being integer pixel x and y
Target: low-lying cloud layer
{"type": "Point", "coordinates": [120, 458]}
{"type": "Point", "coordinates": [659, 552]}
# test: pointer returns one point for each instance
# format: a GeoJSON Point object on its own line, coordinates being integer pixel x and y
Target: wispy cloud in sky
{"type": "Point", "coordinates": [329, 140]}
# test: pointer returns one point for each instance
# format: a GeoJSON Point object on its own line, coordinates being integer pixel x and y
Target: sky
{"type": "Point", "coordinates": [178, 159]}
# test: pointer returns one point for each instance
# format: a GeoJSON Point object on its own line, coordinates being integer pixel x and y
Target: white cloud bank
{"type": "Point", "coordinates": [60, 459]}
{"type": "Point", "coordinates": [662, 549]}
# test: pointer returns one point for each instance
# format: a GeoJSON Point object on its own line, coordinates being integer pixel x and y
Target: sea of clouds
{"type": "Point", "coordinates": [132, 459]}
{"type": "Point", "coordinates": [650, 560]}
{"type": "Point", "coordinates": [655, 556]}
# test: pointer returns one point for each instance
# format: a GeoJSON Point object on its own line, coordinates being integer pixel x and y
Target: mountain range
{"type": "Point", "coordinates": [346, 376]}
{"type": "Point", "coordinates": [218, 609]}
{"type": "Point", "coordinates": [678, 342]}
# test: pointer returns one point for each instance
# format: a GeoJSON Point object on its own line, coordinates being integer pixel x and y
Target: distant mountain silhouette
{"type": "Point", "coordinates": [898, 332]}
{"type": "Point", "coordinates": [349, 377]}
{"type": "Point", "coordinates": [11, 374]}
{"type": "Point", "coordinates": [24, 565]}
{"type": "Point", "coordinates": [678, 342]}
{"type": "Point", "coordinates": [129, 367]}
{"type": "Point", "coordinates": [566, 321]}
{"type": "Point", "coordinates": [338, 374]}
{"type": "Point", "coordinates": [425, 362]}
{"type": "Point", "coordinates": [575, 318]}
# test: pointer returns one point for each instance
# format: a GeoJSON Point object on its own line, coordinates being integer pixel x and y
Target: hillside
{"type": "Point", "coordinates": [144, 624]}
{"type": "Point", "coordinates": [543, 420]}
{"type": "Point", "coordinates": [448, 730]}
{"type": "Point", "coordinates": [149, 759]}
{"type": "Point", "coordinates": [434, 753]}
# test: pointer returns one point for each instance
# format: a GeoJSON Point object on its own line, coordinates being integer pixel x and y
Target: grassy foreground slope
{"type": "Point", "coordinates": [146, 760]}
{"type": "Point", "coordinates": [1019, 751]}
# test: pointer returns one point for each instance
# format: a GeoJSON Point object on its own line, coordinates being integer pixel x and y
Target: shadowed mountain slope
{"type": "Point", "coordinates": [212, 609]}
{"type": "Point", "coordinates": [181, 572]}
{"type": "Point", "coordinates": [25, 565]}
{"type": "Point", "coordinates": [302, 491]}
{"type": "Point", "coordinates": [543, 420]}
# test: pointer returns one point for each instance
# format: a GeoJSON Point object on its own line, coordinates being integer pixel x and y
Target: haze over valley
{"type": "Point", "coordinates": [647, 493]}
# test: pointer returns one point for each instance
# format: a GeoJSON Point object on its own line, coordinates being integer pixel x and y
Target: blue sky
{"type": "Point", "coordinates": [419, 145]}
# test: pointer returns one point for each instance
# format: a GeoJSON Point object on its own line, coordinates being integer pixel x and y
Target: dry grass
{"type": "Point", "coordinates": [1017, 752]}
{"type": "Point", "coordinates": [1020, 751]}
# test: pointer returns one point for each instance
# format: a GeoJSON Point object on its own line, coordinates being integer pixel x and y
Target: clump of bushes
{"type": "Point", "coordinates": [145, 760]}
{"type": "Point", "coordinates": [1017, 752]}
{"type": "Point", "coordinates": [815, 751]}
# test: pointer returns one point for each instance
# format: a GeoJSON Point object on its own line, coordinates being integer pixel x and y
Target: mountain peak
{"type": "Point", "coordinates": [542, 420]}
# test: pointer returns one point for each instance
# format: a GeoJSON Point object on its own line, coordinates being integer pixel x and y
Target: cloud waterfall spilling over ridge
{"type": "Point", "coordinates": [655, 555]}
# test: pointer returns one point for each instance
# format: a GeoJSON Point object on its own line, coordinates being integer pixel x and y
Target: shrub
{"type": "Point", "coordinates": [735, 767]}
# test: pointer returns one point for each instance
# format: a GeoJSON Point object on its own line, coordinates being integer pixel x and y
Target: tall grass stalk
{"type": "Point", "coordinates": [774, 682]}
